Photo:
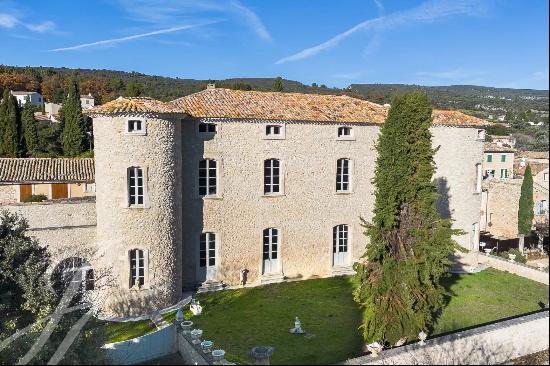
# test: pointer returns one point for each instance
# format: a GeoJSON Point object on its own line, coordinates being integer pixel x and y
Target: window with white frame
{"type": "Point", "coordinates": [137, 268]}
{"type": "Point", "coordinates": [207, 250]}
{"type": "Point", "coordinates": [208, 176]}
{"type": "Point", "coordinates": [136, 189]}
{"type": "Point", "coordinates": [343, 175]}
{"type": "Point", "coordinates": [272, 171]}
{"type": "Point", "coordinates": [271, 243]}
{"type": "Point", "coordinates": [541, 207]}
{"type": "Point", "coordinates": [345, 133]}
{"type": "Point", "coordinates": [504, 173]}
{"type": "Point", "coordinates": [340, 239]}
{"type": "Point", "coordinates": [136, 126]}
{"type": "Point", "coordinates": [273, 130]}
{"type": "Point", "coordinates": [207, 128]}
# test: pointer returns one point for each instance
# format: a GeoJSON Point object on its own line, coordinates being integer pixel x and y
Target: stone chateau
{"type": "Point", "coordinates": [223, 187]}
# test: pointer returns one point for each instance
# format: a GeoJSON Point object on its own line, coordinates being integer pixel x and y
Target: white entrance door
{"type": "Point", "coordinates": [271, 251]}
{"type": "Point", "coordinates": [340, 246]}
{"type": "Point", "coordinates": [207, 257]}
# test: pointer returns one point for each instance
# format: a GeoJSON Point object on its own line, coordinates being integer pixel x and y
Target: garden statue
{"type": "Point", "coordinates": [195, 308]}
{"type": "Point", "coordinates": [297, 327]}
{"type": "Point", "coordinates": [422, 336]}
{"type": "Point", "coordinates": [179, 316]}
{"type": "Point", "coordinates": [243, 276]}
{"type": "Point", "coordinates": [375, 348]}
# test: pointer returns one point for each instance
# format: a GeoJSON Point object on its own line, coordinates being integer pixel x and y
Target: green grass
{"type": "Point", "coordinates": [488, 296]}
{"type": "Point", "coordinates": [237, 320]}
{"type": "Point", "coordinates": [122, 331]}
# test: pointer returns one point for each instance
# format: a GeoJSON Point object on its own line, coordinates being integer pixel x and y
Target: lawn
{"type": "Point", "coordinates": [237, 320]}
{"type": "Point", "coordinates": [122, 331]}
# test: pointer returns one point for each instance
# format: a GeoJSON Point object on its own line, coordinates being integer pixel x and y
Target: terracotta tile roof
{"type": "Point", "coordinates": [136, 105]}
{"type": "Point", "coordinates": [492, 147]}
{"type": "Point", "coordinates": [31, 170]}
{"type": "Point", "coordinates": [227, 103]}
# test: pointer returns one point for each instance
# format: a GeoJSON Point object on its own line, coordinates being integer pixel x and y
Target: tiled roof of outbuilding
{"type": "Point", "coordinates": [35, 170]}
{"type": "Point", "coordinates": [133, 105]}
{"type": "Point", "coordinates": [493, 147]}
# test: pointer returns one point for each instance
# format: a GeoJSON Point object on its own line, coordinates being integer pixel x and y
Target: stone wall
{"type": "Point", "coordinates": [155, 228]}
{"type": "Point", "coordinates": [68, 228]}
{"type": "Point", "coordinates": [522, 270]}
{"type": "Point", "coordinates": [310, 207]}
{"type": "Point", "coordinates": [487, 345]}
{"type": "Point", "coordinates": [9, 193]}
{"type": "Point", "coordinates": [500, 205]}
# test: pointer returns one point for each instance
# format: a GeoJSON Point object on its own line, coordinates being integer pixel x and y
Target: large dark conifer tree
{"type": "Point", "coordinates": [72, 120]}
{"type": "Point", "coordinates": [399, 277]}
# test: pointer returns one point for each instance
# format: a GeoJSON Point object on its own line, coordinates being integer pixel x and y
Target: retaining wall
{"type": "Point", "coordinates": [514, 267]}
{"type": "Point", "coordinates": [491, 344]}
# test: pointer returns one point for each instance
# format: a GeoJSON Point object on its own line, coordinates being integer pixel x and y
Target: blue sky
{"type": "Point", "coordinates": [502, 43]}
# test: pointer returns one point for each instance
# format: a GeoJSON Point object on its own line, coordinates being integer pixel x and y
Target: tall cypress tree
{"type": "Point", "coordinates": [30, 132]}
{"type": "Point", "coordinates": [399, 276]}
{"type": "Point", "coordinates": [11, 121]}
{"type": "Point", "coordinates": [525, 212]}
{"type": "Point", "coordinates": [72, 137]}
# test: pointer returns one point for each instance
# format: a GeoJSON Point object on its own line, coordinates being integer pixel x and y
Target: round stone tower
{"type": "Point", "coordinates": [138, 202]}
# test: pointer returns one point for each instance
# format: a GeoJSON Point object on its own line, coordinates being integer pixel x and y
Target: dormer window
{"type": "Point", "coordinates": [345, 133]}
{"type": "Point", "coordinates": [135, 126]}
{"type": "Point", "coordinates": [207, 128]}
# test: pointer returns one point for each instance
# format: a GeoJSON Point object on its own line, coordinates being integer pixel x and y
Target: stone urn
{"type": "Point", "coordinates": [375, 348]}
{"type": "Point", "coordinates": [512, 257]}
{"type": "Point", "coordinates": [186, 326]}
{"type": "Point", "coordinates": [206, 346]}
{"type": "Point", "coordinates": [196, 335]}
{"type": "Point", "coordinates": [422, 337]}
{"type": "Point", "coordinates": [261, 354]}
{"type": "Point", "coordinates": [218, 356]}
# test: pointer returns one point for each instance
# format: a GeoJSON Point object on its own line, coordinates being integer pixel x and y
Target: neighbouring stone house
{"type": "Point", "coordinates": [87, 101]}
{"type": "Point", "coordinates": [54, 178]}
{"type": "Point", "coordinates": [505, 140]}
{"type": "Point", "coordinates": [537, 160]}
{"type": "Point", "coordinates": [498, 161]}
{"type": "Point", "coordinates": [191, 192]}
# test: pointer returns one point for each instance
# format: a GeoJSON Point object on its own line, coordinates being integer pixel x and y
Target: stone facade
{"type": "Point", "coordinates": [498, 164]}
{"type": "Point", "coordinates": [500, 205]}
{"type": "Point", "coordinates": [156, 229]}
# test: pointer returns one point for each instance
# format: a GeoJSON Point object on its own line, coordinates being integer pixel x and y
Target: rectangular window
{"type": "Point", "coordinates": [273, 130]}
{"type": "Point", "coordinates": [343, 175]}
{"type": "Point", "coordinates": [489, 158]}
{"type": "Point", "coordinates": [207, 250]}
{"type": "Point", "coordinates": [344, 131]}
{"type": "Point", "coordinates": [135, 186]}
{"type": "Point", "coordinates": [208, 177]}
{"type": "Point", "coordinates": [207, 127]}
{"type": "Point", "coordinates": [136, 126]}
{"type": "Point", "coordinates": [502, 158]}
{"type": "Point", "coordinates": [137, 268]}
{"type": "Point", "coordinates": [272, 183]}
{"type": "Point", "coordinates": [504, 173]}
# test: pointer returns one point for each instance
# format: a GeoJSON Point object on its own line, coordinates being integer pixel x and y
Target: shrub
{"type": "Point", "coordinates": [35, 198]}
{"type": "Point", "coordinates": [520, 258]}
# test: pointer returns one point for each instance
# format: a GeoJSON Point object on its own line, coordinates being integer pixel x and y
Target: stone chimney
{"type": "Point", "coordinates": [211, 86]}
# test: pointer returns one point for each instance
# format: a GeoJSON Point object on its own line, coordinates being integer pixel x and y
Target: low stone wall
{"type": "Point", "coordinates": [491, 344]}
{"type": "Point", "coordinates": [190, 355]}
{"type": "Point", "coordinates": [142, 349]}
{"type": "Point", "coordinates": [68, 228]}
{"type": "Point", "coordinates": [513, 267]}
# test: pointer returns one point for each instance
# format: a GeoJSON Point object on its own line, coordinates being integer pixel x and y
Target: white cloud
{"type": "Point", "coordinates": [428, 11]}
{"type": "Point", "coordinates": [163, 12]}
{"type": "Point", "coordinates": [41, 27]}
{"type": "Point", "coordinates": [130, 38]}
{"type": "Point", "coordinates": [7, 20]}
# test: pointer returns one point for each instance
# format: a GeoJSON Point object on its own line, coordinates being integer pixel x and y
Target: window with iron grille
{"type": "Point", "coordinates": [137, 268]}
{"type": "Point", "coordinates": [343, 175]}
{"type": "Point", "coordinates": [136, 192]}
{"type": "Point", "coordinates": [271, 243]}
{"type": "Point", "coordinates": [136, 126]}
{"type": "Point", "coordinates": [272, 184]}
{"type": "Point", "coordinates": [208, 177]}
{"type": "Point", "coordinates": [207, 250]}
{"type": "Point", "coordinates": [340, 239]}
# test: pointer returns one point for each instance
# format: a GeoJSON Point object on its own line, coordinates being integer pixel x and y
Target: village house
{"type": "Point", "coordinates": [33, 97]}
{"type": "Point", "coordinates": [498, 161]}
{"type": "Point", "coordinates": [52, 178]}
{"type": "Point", "coordinates": [506, 140]}
{"type": "Point", "coordinates": [196, 191]}
{"type": "Point", "coordinates": [87, 101]}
